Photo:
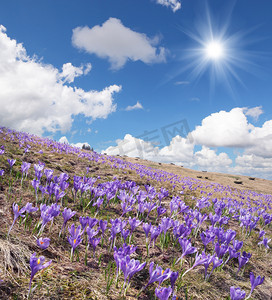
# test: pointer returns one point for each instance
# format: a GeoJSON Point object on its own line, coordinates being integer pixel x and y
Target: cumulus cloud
{"type": "Point", "coordinates": [261, 140]}
{"type": "Point", "coordinates": [208, 159]}
{"type": "Point", "coordinates": [222, 129]}
{"type": "Point", "coordinates": [254, 112]}
{"type": "Point", "coordinates": [254, 165]}
{"type": "Point", "coordinates": [138, 105]}
{"type": "Point", "coordinates": [64, 140]}
{"type": "Point", "coordinates": [70, 72]}
{"type": "Point", "coordinates": [180, 151]}
{"type": "Point", "coordinates": [35, 98]}
{"type": "Point", "coordinates": [173, 4]}
{"type": "Point", "coordinates": [118, 43]}
{"type": "Point", "coordinates": [232, 129]}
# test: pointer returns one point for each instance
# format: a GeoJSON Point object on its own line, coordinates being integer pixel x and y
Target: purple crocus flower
{"type": "Point", "coordinates": [207, 263]}
{"type": "Point", "coordinates": [120, 253]}
{"type": "Point", "coordinates": [2, 172]}
{"type": "Point", "coordinates": [173, 278]}
{"type": "Point", "coordinates": [265, 242]}
{"type": "Point", "coordinates": [186, 248]}
{"type": "Point", "coordinates": [25, 167]}
{"type": "Point", "coordinates": [216, 263]}
{"type": "Point", "coordinates": [115, 228]}
{"type": "Point", "coordinates": [166, 223]}
{"type": "Point", "coordinates": [254, 282]}
{"type": "Point", "coordinates": [49, 174]}
{"type": "Point", "coordinates": [221, 249]}
{"type": "Point", "coordinates": [17, 213]}
{"type": "Point", "coordinates": [243, 259]}
{"type": "Point", "coordinates": [35, 183]}
{"type": "Point", "coordinates": [125, 234]}
{"type": "Point", "coordinates": [213, 218]}
{"type": "Point", "coordinates": [161, 210]}
{"type": "Point", "coordinates": [146, 228]}
{"type": "Point", "coordinates": [236, 293]}
{"type": "Point", "coordinates": [58, 194]}
{"type": "Point", "coordinates": [91, 232]}
{"type": "Point", "coordinates": [75, 238]}
{"type": "Point", "coordinates": [84, 221]}
{"type": "Point", "coordinates": [157, 274]}
{"type": "Point", "coordinates": [181, 231]}
{"type": "Point", "coordinates": [206, 238]}
{"type": "Point", "coordinates": [11, 163]}
{"type": "Point", "coordinates": [92, 222]}
{"type": "Point", "coordinates": [261, 233]}
{"type": "Point", "coordinates": [163, 293]}
{"type": "Point", "coordinates": [29, 208]}
{"type": "Point", "coordinates": [200, 259]}
{"type": "Point", "coordinates": [134, 223]}
{"type": "Point", "coordinates": [67, 214]}
{"type": "Point", "coordinates": [43, 190]}
{"type": "Point", "coordinates": [36, 264]}
{"type": "Point", "coordinates": [130, 267]}
{"type": "Point", "coordinates": [43, 243]}
{"type": "Point", "coordinates": [98, 202]}
{"type": "Point", "coordinates": [229, 236]}
{"type": "Point", "coordinates": [154, 233]}
{"type": "Point", "coordinates": [39, 170]}
{"type": "Point", "coordinates": [237, 245]}
{"type": "Point", "coordinates": [94, 242]}
{"type": "Point", "coordinates": [103, 226]}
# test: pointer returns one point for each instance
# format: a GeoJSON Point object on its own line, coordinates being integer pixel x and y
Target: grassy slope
{"type": "Point", "coordinates": [66, 280]}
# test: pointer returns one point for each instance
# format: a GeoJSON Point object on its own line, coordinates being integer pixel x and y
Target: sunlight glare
{"type": "Point", "coordinates": [214, 50]}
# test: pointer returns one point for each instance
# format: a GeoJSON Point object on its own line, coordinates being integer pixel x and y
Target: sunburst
{"type": "Point", "coordinates": [216, 50]}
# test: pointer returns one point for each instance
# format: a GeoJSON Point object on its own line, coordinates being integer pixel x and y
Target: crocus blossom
{"type": "Point", "coordinates": [36, 264]}
{"type": "Point", "coordinates": [255, 281]}
{"type": "Point", "coordinates": [43, 243]}
{"type": "Point", "coordinates": [17, 213]}
{"type": "Point", "coordinates": [236, 293]}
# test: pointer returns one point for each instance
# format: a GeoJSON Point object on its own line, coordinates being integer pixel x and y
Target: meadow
{"type": "Point", "coordinates": [76, 224]}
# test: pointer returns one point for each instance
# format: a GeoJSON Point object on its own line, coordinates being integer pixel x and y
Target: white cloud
{"type": "Point", "coordinates": [63, 140]}
{"type": "Point", "coordinates": [173, 4]}
{"type": "Point", "coordinates": [261, 138]}
{"type": "Point", "coordinates": [118, 43]}
{"type": "Point", "coordinates": [69, 72]}
{"type": "Point", "coordinates": [33, 97]}
{"type": "Point", "coordinates": [138, 105]}
{"type": "Point", "coordinates": [80, 145]}
{"type": "Point", "coordinates": [254, 112]}
{"type": "Point", "coordinates": [232, 129]}
{"type": "Point", "coordinates": [195, 99]}
{"type": "Point", "coordinates": [208, 159]}
{"type": "Point", "coordinates": [224, 129]}
{"type": "Point", "coordinates": [254, 165]}
{"type": "Point", "coordinates": [182, 82]}
{"type": "Point", "coordinates": [180, 151]}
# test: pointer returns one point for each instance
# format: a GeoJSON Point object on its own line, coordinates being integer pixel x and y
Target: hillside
{"type": "Point", "coordinates": [196, 220]}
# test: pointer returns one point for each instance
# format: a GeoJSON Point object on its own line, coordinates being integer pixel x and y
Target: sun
{"type": "Point", "coordinates": [214, 50]}
{"type": "Point", "coordinates": [217, 53]}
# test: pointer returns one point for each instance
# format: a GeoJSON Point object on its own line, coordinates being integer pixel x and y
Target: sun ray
{"type": "Point", "coordinates": [217, 51]}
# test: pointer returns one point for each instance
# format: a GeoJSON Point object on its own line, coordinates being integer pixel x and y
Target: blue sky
{"type": "Point", "coordinates": [100, 71]}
